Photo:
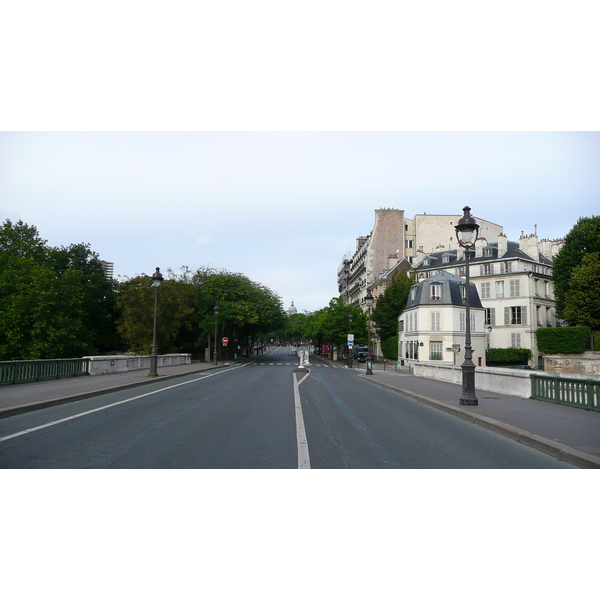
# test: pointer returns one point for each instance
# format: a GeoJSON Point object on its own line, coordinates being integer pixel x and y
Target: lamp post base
{"type": "Point", "coordinates": [468, 397]}
{"type": "Point", "coordinates": [153, 366]}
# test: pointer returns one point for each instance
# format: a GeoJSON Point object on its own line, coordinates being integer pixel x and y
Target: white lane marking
{"type": "Point", "coordinates": [89, 412]}
{"type": "Point", "coordinates": [303, 456]}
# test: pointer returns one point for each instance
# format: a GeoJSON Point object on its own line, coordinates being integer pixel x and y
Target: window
{"type": "Point", "coordinates": [435, 350]}
{"type": "Point", "coordinates": [515, 288]}
{"type": "Point", "coordinates": [436, 320]}
{"type": "Point", "coordinates": [485, 290]}
{"type": "Point", "coordinates": [401, 325]}
{"type": "Point", "coordinates": [505, 267]}
{"type": "Point", "coordinates": [490, 316]}
{"type": "Point", "coordinates": [515, 315]}
{"type": "Point", "coordinates": [408, 243]}
{"type": "Point", "coordinates": [436, 291]}
{"type": "Point", "coordinates": [462, 321]}
{"type": "Point", "coordinates": [486, 269]}
{"type": "Point", "coordinates": [515, 340]}
{"type": "Point", "coordinates": [499, 289]}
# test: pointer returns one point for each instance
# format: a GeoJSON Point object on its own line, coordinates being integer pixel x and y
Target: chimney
{"type": "Point", "coordinates": [502, 245]}
{"type": "Point", "coordinates": [529, 245]}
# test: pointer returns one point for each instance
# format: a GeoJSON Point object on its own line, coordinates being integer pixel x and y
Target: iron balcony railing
{"type": "Point", "coordinates": [582, 393]}
{"type": "Point", "coordinates": [22, 371]}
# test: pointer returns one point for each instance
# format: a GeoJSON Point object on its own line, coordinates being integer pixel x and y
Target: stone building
{"type": "Point", "coordinates": [394, 238]}
{"type": "Point", "coordinates": [514, 281]}
{"type": "Point", "coordinates": [432, 327]}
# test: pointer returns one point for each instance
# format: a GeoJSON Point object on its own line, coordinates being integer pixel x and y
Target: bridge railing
{"type": "Point", "coordinates": [582, 393]}
{"type": "Point", "coordinates": [22, 371]}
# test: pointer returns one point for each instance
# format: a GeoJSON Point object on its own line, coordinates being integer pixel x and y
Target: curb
{"type": "Point", "coordinates": [24, 408]}
{"type": "Point", "coordinates": [559, 451]}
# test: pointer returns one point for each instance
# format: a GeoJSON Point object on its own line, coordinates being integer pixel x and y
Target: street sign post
{"type": "Point", "coordinates": [225, 341]}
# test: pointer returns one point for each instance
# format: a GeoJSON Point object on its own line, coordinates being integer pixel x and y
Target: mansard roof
{"type": "Point", "coordinates": [450, 292]}
{"type": "Point", "coordinates": [436, 260]}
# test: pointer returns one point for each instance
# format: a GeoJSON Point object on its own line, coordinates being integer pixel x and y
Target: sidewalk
{"type": "Point", "coordinates": [568, 433]}
{"type": "Point", "coordinates": [22, 397]}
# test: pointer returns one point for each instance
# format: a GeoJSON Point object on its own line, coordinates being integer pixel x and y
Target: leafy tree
{"type": "Point", "coordinates": [20, 240]}
{"type": "Point", "coordinates": [41, 313]}
{"type": "Point", "coordinates": [390, 304]}
{"type": "Point", "coordinates": [583, 239]}
{"type": "Point", "coordinates": [582, 304]}
{"type": "Point", "coordinates": [136, 305]}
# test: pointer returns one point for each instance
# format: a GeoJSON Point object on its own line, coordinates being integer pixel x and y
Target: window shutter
{"type": "Point", "coordinates": [492, 316]}
{"type": "Point", "coordinates": [523, 315]}
{"type": "Point", "coordinates": [507, 315]}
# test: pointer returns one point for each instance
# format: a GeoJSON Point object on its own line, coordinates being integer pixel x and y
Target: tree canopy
{"type": "Point", "coordinates": [54, 302]}
{"type": "Point", "coordinates": [582, 240]}
{"type": "Point", "coordinates": [390, 304]}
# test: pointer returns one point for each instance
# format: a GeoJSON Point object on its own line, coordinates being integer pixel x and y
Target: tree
{"type": "Point", "coordinates": [390, 304]}
{"type": "Point", "coordinates": [54, 303]}
{"type": "Point", "coordinates": [136, 305]}
{"type": "Point", "coordinates": [582, 304]}
{"type": "Point", "coordinates": [583, 239]}
{"type": "Point", "coordinates": [41, 312]}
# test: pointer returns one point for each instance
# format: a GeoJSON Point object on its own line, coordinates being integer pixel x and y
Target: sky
{"type": "Point", "coordinates": [283, 207]}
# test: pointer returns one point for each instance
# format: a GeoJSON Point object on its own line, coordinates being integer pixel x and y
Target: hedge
{"type": "Point", "coordinates": [563, 340]}
{"type": "Point", "coordinates": [389, 347]}
{"type": "Point", "coordinates": [507, 355]}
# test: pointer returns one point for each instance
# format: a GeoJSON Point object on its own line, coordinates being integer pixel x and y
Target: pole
{"type": "Point", "coordinates": [369, 355]}
{"type": "Point", "coordinates": [468, 397]}
{"type": "Point", "coordinates": [215, 351]}
{"type": "Point", "coordinates": [153, 357]}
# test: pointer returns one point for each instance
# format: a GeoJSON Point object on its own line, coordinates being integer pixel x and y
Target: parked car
{"type": "Point", "coordinates": [360, 353]}
{"type": "Point", "coordinates": [527, 367]}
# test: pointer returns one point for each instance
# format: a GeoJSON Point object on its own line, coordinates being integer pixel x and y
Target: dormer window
{"type": "Point", "coordinates": [426, 262]}
{"type": "Point", "coordinates": [488, 251]}
{"type": "Point", "coordinates": [446, 258]}
{"type": "Point", "coordinates": [435, 290]}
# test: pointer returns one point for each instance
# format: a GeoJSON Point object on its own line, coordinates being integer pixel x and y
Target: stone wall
{"type": "Point", "coordinates": [101, 365]}
{"type": "Point", "coordinates": [581, 364]}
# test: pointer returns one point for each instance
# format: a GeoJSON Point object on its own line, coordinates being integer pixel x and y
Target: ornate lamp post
{"type": "Point", "coordinates": [466, 234]}
{"type": "Point", "coordinates": [369, 301]}
{"type": "Point", "coordinates": [216, 311]}
{"type": "Point", "coordinates": [157, 279]}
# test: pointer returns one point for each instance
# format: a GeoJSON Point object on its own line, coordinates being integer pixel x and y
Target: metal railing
{"type": "Point", "coordinates": [22, 371]}
{"type": "Point", "coordinates": [582, 393]}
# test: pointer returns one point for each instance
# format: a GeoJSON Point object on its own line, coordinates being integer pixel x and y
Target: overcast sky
{"type": "Point", "coordinates": [282, 207]}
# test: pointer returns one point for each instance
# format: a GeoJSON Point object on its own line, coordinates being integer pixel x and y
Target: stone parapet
{"type": "Point", "coordinates": [102, 365]}
{"type": "Point", "coordinates": [587, 364]}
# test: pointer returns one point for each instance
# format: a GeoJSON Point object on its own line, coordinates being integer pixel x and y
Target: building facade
{"type": "Point", "coordinates": [433, 325]}
{"type": "Point", "coordinates": [514, 282]}
{"type": "Point", "coordinates": [394, 238]}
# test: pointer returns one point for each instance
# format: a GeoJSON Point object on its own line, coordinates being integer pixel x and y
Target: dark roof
{"type": "Point", "coordinates": [436, 259]}
{"type": "Point", "coordinates": [450, 293]}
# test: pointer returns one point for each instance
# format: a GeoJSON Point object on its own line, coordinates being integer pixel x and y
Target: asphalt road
{"type": "Point", "coordinates": [260, 415]}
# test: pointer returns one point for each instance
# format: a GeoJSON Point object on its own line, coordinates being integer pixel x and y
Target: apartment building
{"type": "Point", "coordinates": [514, 282]}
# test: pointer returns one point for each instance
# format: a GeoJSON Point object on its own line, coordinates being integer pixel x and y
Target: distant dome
{"type": "Point", "coordinates": [292, 310]}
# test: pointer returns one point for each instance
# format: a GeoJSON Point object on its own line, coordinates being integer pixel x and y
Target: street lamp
{"type": "Point", "coordinates": [466, 234]}
{"type": "Point", "coordinates": [157, 279]}
{"type": "Point", "coordinates": [350, 349]}
{"type": "Point", "coordinates": [216, 311]}
{"type": "Point", "coordinates": [369, 301]}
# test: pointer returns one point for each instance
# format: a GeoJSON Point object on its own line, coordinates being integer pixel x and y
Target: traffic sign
{"type": "Point", "coordinates": [225, 341]}
{"type": "Point", "coordinates": [350, 343]}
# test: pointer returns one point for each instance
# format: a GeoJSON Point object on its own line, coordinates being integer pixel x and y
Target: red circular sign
{"type": "Point", "coordinates": [225, 340]}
